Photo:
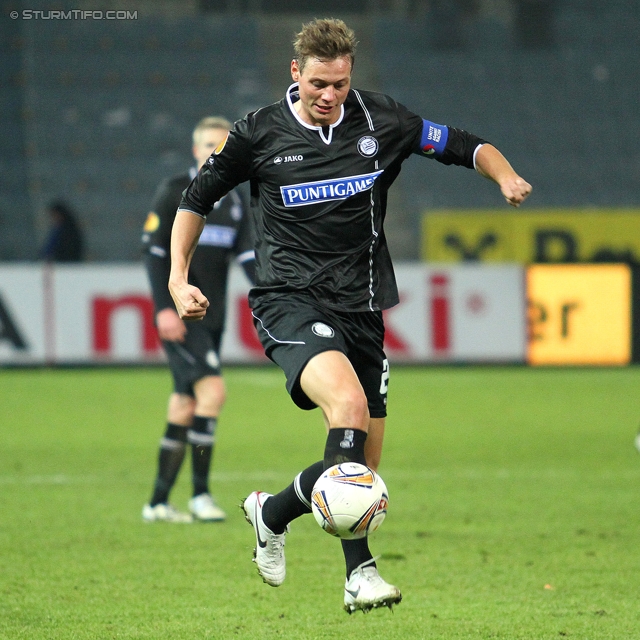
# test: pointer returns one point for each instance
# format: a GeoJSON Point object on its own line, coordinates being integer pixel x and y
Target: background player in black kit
{"type": "Point", "coordinates": [320, 162]}
{"type": "Point", "coordinates": [192, 350]}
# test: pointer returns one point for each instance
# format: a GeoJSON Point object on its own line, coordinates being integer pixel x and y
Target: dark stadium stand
{"type": "Point", "coordinates": [17, 235]}
{"type": "Point", "coordinates": [113, 105]}
{"type": "Point", "coordinates": [565, 114]}
{"type": "Point", "coordinates": [97, 112]}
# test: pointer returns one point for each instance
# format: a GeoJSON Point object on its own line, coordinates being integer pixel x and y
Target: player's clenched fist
{"type": "Point", "coordinates": [515, 190]}
{"type": "Point", "coordinates": [190, 303]}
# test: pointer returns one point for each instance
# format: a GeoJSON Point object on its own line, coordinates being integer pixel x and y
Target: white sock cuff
{"type": "Point", "coordinates": [199, 438]}
{"type": "Point", "coordinates": [298, 488]}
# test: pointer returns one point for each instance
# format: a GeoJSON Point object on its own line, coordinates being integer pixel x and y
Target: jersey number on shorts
{"type": "Point", "coordinates": [384, 378]}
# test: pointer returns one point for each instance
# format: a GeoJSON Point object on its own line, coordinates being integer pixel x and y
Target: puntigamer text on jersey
{"type": "Point", "coordinates": [298, 195]}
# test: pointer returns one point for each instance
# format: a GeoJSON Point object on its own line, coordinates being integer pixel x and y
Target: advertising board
{"type": "Point", "coordinates": [579, 314]}
{"type": "Point", "coordinates": [92, 314]}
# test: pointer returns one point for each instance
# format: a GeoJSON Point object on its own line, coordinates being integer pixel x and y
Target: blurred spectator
{"type": "Point", "coordinates": [64, 240]}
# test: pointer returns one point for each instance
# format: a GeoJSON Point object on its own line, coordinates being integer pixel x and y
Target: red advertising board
{"type": "Point", "coordinates": [103, 313]}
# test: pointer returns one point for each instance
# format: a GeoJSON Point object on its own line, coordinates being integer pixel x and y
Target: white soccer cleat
{"type": "Point", "coordinates": [204, 509]}
{"type": "Point", "coordinates": [366, 590]}
{"type": "Point", "coordinates": [164, 513]}
{"type": "Point", "coordinates": [269, 552]}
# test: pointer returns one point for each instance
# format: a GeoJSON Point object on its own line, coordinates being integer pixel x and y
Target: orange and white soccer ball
{"type": "Point", "coordinates": [349, 500]}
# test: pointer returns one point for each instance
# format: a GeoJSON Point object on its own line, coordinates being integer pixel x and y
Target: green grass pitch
{"type": "Point", "coordinates": [514, 510]}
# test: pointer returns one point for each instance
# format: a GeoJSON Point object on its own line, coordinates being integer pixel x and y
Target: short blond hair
{"type": "Point", "coordinates": [326, 39]}
{"type": "Point", "coordinates": [212, 122]}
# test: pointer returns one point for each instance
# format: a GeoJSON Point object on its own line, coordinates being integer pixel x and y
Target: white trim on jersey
{"type": "Point", "coordinates": [371, 248]}
{"type": "Point", "coordinates": [474, 156]}
{"type": "Point", "coordinates": [373, 229]}
{"type": "Point", "coordinates": [195, 213]}
{"type": "Point", "coordinates": [320, 130]}
{"type": "Point", "coordinates": [366, 111]}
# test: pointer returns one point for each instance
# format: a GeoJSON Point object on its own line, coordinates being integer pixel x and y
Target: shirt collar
{"type": "Point", "coordinates": [293, 96]}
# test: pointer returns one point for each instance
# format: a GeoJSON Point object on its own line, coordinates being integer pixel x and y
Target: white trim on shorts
{"type": "Point", "coordinates": [276, 339]}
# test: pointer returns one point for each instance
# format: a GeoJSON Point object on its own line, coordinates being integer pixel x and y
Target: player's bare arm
{"type": "Point", "coordinates": [493, 165]}
{"type": "Point", "coordinates": [190, 303]}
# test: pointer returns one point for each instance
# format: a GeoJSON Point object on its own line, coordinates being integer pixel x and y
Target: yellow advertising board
{"type": "Point", "coordinates": [579, 314]}
{"type": "Point", "coordinates": [532, 236]}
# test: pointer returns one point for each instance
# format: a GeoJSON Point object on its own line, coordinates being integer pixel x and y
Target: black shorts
{"type": "Point", "coordinates": [195, 358]}
{"type": "Point", "coordinates": [294, 328]}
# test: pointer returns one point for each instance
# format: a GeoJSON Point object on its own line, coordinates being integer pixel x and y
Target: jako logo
{"type": "Point", "coordinates": [299, 195]}
{"type": "Point", "coordinates": [281, 159]}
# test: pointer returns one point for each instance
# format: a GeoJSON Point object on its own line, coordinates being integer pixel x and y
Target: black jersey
{"type": "Point", "coordinates": [226, 234]}
{"type": "Point", "coordinates": [322, 192]}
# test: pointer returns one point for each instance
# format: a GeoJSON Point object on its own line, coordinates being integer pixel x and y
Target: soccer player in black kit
{"type": "Point", "coordinates": [320, 163]}
{"type": "Point", "coordinates": [193, 350]}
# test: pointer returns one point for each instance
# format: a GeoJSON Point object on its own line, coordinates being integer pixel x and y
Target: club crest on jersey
{"type": "Point", "coordinates": [322, 330]}
{"type": "Point", "coordinates": [300, 195]}
{"type": "Point", "coordinates": [368, 146]}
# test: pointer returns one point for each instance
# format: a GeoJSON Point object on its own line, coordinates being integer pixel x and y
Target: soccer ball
{"type": "Point", "coordinates": [349, 500]}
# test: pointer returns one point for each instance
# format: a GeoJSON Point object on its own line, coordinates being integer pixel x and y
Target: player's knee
{"type": "Point", "coordinates": [210, 397]}
{"type": "Point", "coordinates": [181, 408]}
{"type": "Point", "coordinates": [351, 410]}
{"type": "Point", "coordinates": [209, 406]}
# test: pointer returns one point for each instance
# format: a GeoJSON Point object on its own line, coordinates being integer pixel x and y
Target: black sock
{"type": "Point", "coordinates": [172, 448]}
{"type": "Point", "coordinates": [347, 445]}
{"type": "Point", "coordinates": [294, 501]}
{"type": "Point", "coordinates": [201, 437]}
{"type": "Point", "coordinates": [344, 445]}
{"type": "Point", "coordinates": [355, 553]}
